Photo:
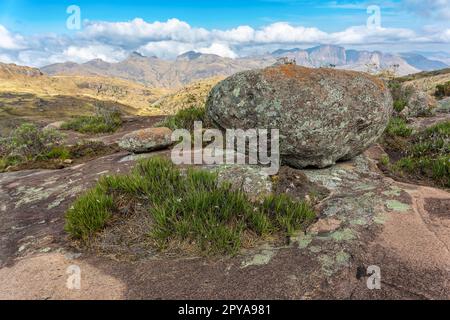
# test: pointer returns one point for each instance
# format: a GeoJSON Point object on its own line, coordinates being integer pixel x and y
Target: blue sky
{"type": "Point", "coordinates": [35, 32]}
{"type": "Point", "coordinates": [29, 16]}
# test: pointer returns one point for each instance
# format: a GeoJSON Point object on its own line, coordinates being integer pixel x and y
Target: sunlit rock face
{"type": "Point", "coordinates": [324, 115]}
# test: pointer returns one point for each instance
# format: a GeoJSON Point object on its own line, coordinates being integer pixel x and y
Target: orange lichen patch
{"type": "Point", "coordinates": [153, 132]}
{"type": "Point", "coordinates": [302, 73]}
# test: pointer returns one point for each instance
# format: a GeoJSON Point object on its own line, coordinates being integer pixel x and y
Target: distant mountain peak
{"type": "Point", "coordinates": [189, 55]}
{"type": "Point", "coordinates": [284, 51]}
{"type": "Point", "coordinates": [136, 54]}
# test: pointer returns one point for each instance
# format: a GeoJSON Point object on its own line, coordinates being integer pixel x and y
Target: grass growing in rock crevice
{"type": "Point", "coordinates": [185, 208]}
{"type": "Point", "coordinates": [423, 155]}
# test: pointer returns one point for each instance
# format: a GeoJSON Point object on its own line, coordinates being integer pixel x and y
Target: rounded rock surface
{"type": "Point", "coordinates": [323, 115]}
{"type": "Point", "coordinates": [146, 140]}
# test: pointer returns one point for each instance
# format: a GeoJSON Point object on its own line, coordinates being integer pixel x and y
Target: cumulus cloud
{"type": "Point", "coordinates": [90, 52]}
{"type": "Point", "coordinates": [113, 41]}
{"type": "Point", "coordinates": [9, 41]}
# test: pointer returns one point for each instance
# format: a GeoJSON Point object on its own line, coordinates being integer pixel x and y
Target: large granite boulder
{"type": "Point", "coordinates": [324, 115]}
{"type": "Point", "coordinates": [146, 140]}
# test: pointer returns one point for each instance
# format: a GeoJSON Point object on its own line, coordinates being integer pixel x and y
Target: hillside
{"type": "Point", "coordinates": [26, 93]}
{"type": "Point", "coordinates": [155, 72]}
{"type": "Point", "coordinates": [192, 95]}
{"type": "Point", "coordinates": [427, 81]}
{"type": "Point", "coordinates": [192, 66]}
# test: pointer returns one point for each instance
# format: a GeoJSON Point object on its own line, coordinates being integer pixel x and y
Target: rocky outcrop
{"type": "Point", "coordinates": [323, 115]}
{"type": "Point", "coordinates": [419, 103]}
{"type": "Point", "coordinates": [146, 140]}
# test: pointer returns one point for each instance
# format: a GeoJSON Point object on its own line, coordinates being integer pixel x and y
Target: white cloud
{"type": "Point", "coordinates": [219, 49]}
{"type": "Point", "coordinates": [139, 30]}
{"type": "Point", "coordinates": [165, 49]}
{"type": "Point", "coordinates": [113, 41]}
{"type": "Point", "coordinates": [9, 41]}
{"type": "Point", "coordinates": [104, 52]}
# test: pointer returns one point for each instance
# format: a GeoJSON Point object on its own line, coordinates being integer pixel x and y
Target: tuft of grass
{"type": "Point", "coordinates": [185, 118]}
{"type": "Point", "coordinates": [398, 127]}
{"type": "Point", "coordinates": [399, 105]}
{"type": "Point", "coordinates": [58, 152]}
{"type": "Point", "coordinates": [90, 213]}
{"type": "Point", "coordinates": [190, 207]}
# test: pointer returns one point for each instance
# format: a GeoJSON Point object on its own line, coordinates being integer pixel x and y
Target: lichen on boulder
{"type": "Point", "coordinates": [323, 115]}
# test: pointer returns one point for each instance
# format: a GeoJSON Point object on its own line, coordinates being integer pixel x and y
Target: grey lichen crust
{"type": "Point", "coordinates": [324, 115]}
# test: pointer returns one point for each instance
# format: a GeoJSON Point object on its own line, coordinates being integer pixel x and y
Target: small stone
{"type": "Point", "coordinates": [325, 226]}
{"type": "Point", "coordinates": [68, 161]}
{"type": "Point", "coordinates": [54, 125]}
{"type": "Point", "coordinates": [146, 140]}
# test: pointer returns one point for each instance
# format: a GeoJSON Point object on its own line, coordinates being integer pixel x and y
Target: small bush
{"type": "Point", "coordinates": [443, 90]}
{"type": "Point", "coordinates": [104, 121]}
{"type": "Point", "coordinates": [58, 152]}
{"type": "Point", "coordinates": [28, 142]}
{"type": "Point", "coordinates": [188, 208]}
{"type": "Point", "coordinates": [185, 118]}
{"type": "Point", "coordinates": [398, 127]}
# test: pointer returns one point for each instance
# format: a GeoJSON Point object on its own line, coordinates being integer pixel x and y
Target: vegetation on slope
{"type": "Point", "coordinates": [105, 120]}
{"type": "Point", "coordinates": [28, 147]}
{"type": "Point", "coordinates": [28, 143]}
{"type": "Point", "coordinates": [185, 119]}
{"type": "Point", "coordinates": [423, 156]}
{"type": "Point", "coordinates": [189, 207]}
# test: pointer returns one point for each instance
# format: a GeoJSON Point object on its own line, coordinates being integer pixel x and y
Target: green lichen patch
{"type": "Point", "coordinates": [396, 205]}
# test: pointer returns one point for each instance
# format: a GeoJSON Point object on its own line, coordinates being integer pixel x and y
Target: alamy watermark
{"type": "Point", "coordinates": [73, 22]}
{"type": "Point", "coordinates": [234, 146]}
{"type": "Point", "coordinates": [374, 279]}
{"type": "Point", "coordinates": [74, 277]}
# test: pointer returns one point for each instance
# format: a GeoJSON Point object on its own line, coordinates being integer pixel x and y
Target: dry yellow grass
{"type": "Point", "coordinates": [193, 95]}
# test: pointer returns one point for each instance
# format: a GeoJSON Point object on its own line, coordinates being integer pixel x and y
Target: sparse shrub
{"type": "Point", "coordinates": [425, 155]}
{"type": "Point", "coordinates": [105, 120]}
{"type": "Point", "coordinates": [28, 142]}
{"type": "Point", "coordinates": [191, 207]}
{"type": "Point", "coordinates": [185, 118]}
{"type": "Point", "coordinates": [398, 127]}
{"type": "Point", "coordinates": [442, 90]}
{"type": "Point", "coordinates": [400, 94]}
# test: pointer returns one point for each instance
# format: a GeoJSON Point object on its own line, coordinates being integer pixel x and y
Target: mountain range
{"type": "Point", "coordinates": [192, 66]}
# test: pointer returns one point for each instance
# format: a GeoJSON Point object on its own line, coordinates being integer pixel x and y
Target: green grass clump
{"type": "Point", "coordinates": [398, 127]}
{"type": "Point", "coordinates": [89, 214]}
{"type": "Point", "coordinates": [399, 105]}
{"type": "Point", "coordinates": [185, 118]}
{"type": "Point", "coordinates": [93, 124]}
{"type": "Point", "coordinates": [191, 207]}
